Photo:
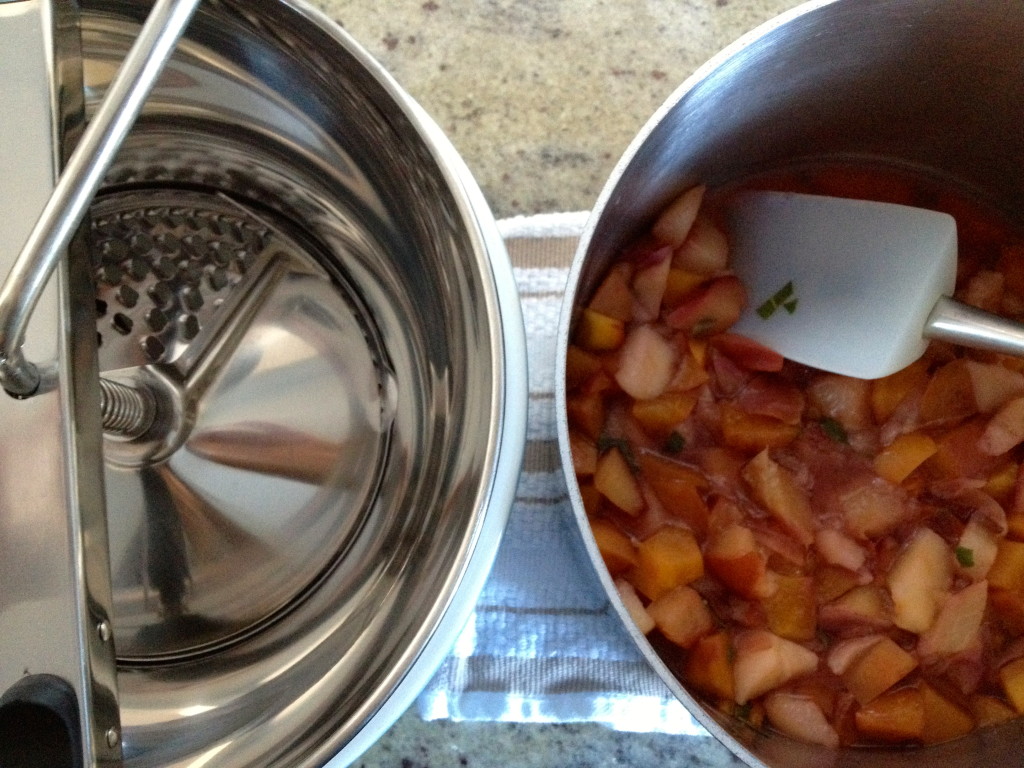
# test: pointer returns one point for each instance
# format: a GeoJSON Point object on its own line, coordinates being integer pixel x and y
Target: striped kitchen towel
{"type": "Point", "coordinates": [544, 644]}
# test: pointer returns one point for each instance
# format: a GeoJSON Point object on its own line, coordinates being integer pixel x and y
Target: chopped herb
{"type": "Point", "coordinates": [606, 442]}
{"type": "Point", "coordinates": [743, 711]}
{"type": "Point", "coordinates": [834, 430]}
{"type": "Point", "coordinates": [781, 298]}
{"type": "Point", "coordinates": [965, 557]}
{"type": "Point", "coordinates": [703, 327]}
{"type": "Point", "coordinates": [674, 443]}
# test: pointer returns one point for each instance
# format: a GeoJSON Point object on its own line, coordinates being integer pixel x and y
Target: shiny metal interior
{"type": "Point", "coordinates": [295, 263]}
{"type": "Point", "coordinates": [925, 83]}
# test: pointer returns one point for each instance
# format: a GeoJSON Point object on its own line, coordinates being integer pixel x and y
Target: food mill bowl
{"type": "Point", "coordinates": [925, 89]}
{"type": "Point", "coordinates": [293, 259]}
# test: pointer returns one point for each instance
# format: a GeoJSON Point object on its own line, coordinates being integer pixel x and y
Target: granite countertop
{"type": "Point", "coordinates": [541, 98]}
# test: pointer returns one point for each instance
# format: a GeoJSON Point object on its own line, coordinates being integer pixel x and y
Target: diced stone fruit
{"type": "Point", "coordinates": [617, 551]}
{"type": "Point", "coordinates": [863, 607]}
{"type": "Point", "coordinates": [674, 223]}
{"type": "Point", "coordinates": [842, 655]}
{"type": "Point", "coordinates": [839, 549]}
{"type": "Point", "coordinates": [705, 250]}
{"type": "Point", "coordinates": [1012, 678]}
{"type": "Point", "coordinates": [906, 453]}
{"type": "Point", "coordinates": [708, 666]}
{"type": "Point", "coordinates": [957, 624]}
{"type": "Point", "coordinates": [668, 559]}
{"type": "Point", "coordinates": [615, 480]}
{"type": "Point", "coordinates": [877, 670]}
{"type": "Point", "coordinates": [1005, 430]}
{"type": "Point", "coordinates": [1007, 572]}
{"type": "Point", "coordinates": [765, 661]}
{"type": "Point", "coordinates": [647, 363]}
{"type": "Point", "coordinates": [919, 580]}
{"type": "Point", "coordinates": [943, 720]}
{"type": "Point", "coordinates": [872, 507]}
{"type": "Point", "coordinates": [989, 710]}
{"type": "Point", "coordinates": [893, 717]}
{"type": "Point", "coordinates": [613, 298]}
{"type": "Point", "coordinates": [791, 611]}
{"type": "Point", "coordinates": [634, 605]}
{"type": "Point", "coordinates": [682, 616]}
{"type": "Point", "coordinates": [800, 717]}
{"type": "Point", "coordinates": [710, 309]}
{"type": "Point", "coordinates": [598, 333]}
{"type": "Point", "coordinates": [649, 285]}
{"type": "Point", "coordinates": [732, 556]}
{"type": "Point", "coordinates": [780, 494]}
{"type": "Point", "coordinates": [994, 385]}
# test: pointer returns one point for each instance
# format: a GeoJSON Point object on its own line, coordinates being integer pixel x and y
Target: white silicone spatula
{"type": "Point", "coordinates": [853, 286]}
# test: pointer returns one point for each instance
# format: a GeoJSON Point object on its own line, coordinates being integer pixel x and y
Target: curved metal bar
{"type": "Point", "coordinates": [969, 326]}
{"type": "Point", "coordinates": [78, 184]}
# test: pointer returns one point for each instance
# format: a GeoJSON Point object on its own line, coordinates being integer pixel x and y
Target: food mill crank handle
{"type": "Point", "coordinates": [78, 182]}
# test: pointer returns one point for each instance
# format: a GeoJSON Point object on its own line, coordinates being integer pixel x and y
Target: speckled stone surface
{"type": "Point", "coordinates": [541, 98]}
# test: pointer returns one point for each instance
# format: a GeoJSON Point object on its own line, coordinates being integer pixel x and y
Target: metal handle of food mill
{"type": "Point", "coordinates": [77, 185]}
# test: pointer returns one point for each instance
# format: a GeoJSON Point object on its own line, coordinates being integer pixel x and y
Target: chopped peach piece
{"type": "Point", "coordinates": [993, 384]}
{"type": "Point", "coordinates": [791, 610]}
{"type": "Point", "coordinates": [765, 661]}
{"type": "Point", "coordinates": [709, 666]}
{"type": "Point", "coordinates": [988, 710]}
{"type": "Point", "coordinates": [634, 606]}
{"type": "Point", "coordinates": [732, 556]}
{"type": "Point", "coordinates": [844, 653]}
{"type": "Point", "coordinates": [800, 717]}
{"type": "Point", "coordinates": [613, 297]}
{"type": "Point", "coordinates": [780, 494]}
{"type": "Point", "coordinates": [747, 353]}
{"type": "Point", "coordinates": [669, 558]}
{"type": "Point", "coordinates": [580, 366]}
{"type": "Point", "coordinates": [1012, 678]}
{"type": "Point", "coordinates": [919, 580]}
{"type": "Point", "coordinates": [893, 717]}
{"type": "Point", "coordinates": [949, 394]}
{"type": "Point", "coordinates": [647, 363]}
{"type": "Point", "coordinates": [1005, 430]}
{"type": "Point", "coordinates": [943, 720]}
{"type": "Point", "coordinates": [1007, 572]}
{"type": "Point", "coordinates": [681, 616]}
{"type": "Point", "coordinates": [586, 412]}
{"type": "Point", "coordinates": [678, 284]}
{"type": "Point", "coordinates": [905, 454]}
{"type": "Point", "coordinates": [957, 624]}
{"type": "Point", "coordinates": [705, 249]}
{"type": "Point", "coordinates": [584, 454]}
{"type": "Point", "coordinates": [615, 480]}
{"type": "Point", "coordinates": [617, 551]}
{"type": "Point", "coordinates": [599, 333]}
{"type": "Point", "coordinates": [710, 309]}
{"type": "Point", "coordinates": [660, 415]}
{"type": "Point", "coordinates": [836, 548]}
{"type": "Point", "coordinates": [649, 283]}
{"type": "Point", "coordinates": [843, 398]}
{"type": "Point", "coordinates": [833, 581]}
{"type": "Point", "coordinates": [678, 488]}
{"type": "Point", "coordinates": [873, 507]}
{"type": "Point", "coordinates": [887, 393]}
{"type": "Point", "coordinates": [877, 670]}
{"type": "Point", "coordinates": [675, 221]}
{"type": "Point", "coordinates": [864, 606]}
{"type": "Point", "coordinates": [750, 432]}
{"type": "Point", "coordinates": [959, 453]}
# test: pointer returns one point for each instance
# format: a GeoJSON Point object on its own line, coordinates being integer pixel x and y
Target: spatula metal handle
{"type": "Point", "coordinates": [968, 326]}
{"type": "Point", "coordinates": [78, 183]}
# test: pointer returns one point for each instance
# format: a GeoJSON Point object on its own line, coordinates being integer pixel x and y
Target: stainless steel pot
{"type": "Point", "coordinates": [296, 267]}
{"type": "Point", "coordinates": [928, 83]}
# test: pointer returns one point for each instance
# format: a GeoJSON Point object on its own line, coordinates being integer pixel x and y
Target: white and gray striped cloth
{"type": "Point", "coordinates": [544, 644]}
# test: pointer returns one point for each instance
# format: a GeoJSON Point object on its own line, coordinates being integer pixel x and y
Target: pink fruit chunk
{"type": "Point", "coordinates": [711, 309]}
{"type": "Point", "coordinates": [800, 717]}
{"type": "Point", "coordinates": [674, 223]}
{"type": "Point", "coordinates": [647, 363]}
{"type": "Point", "coordinates": [765, 661]}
